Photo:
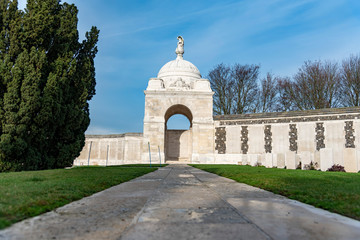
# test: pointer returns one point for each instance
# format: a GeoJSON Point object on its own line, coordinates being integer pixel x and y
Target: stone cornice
{"type": "Point", "coordinates": [292, 116]}
{"type": "Point", "coordinates": [177, 93]}
{"type": "Point", "coordinates": [115, 135]}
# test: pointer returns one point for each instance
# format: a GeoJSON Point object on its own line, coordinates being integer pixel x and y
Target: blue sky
{"type": "Point", "coordinates": [138, 37]}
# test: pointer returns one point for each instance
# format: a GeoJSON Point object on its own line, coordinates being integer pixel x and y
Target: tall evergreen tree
{"type": "Point", "coordinates": [47, 78]}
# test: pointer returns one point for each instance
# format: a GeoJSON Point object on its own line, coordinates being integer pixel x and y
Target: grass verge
{"type": "Point", "coordinates": [334, 191]}
{"type": "Point", "coordinates": [27, 194]}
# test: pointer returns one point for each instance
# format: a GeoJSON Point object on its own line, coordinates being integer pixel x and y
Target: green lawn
{"type": "Point", "coordinates": [27, 194]}
{"type": "Point", "coordinates": [334, 191]}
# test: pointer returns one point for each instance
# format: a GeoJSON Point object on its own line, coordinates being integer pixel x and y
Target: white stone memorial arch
{"type": "Point", "coordinates": [179, 89]}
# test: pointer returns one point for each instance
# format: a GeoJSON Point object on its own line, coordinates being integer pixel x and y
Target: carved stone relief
{"type": "Point", "coordinates": [180, 84]}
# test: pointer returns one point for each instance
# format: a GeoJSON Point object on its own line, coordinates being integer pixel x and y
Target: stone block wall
{"type": "Point", "coordinates": [111, 150]}
{"type": "Point", "coordinates": [291, 139]}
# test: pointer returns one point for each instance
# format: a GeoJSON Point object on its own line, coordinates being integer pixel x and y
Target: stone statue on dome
{"type": "Point", "coordinates": [180, 47]}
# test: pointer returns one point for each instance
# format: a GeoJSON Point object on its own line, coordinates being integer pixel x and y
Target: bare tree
{"type": "Point", "coordinates": [350, 81]}
{"type": "Point", "coordinates": [245, 87]}
{"type": "Point", "coordinates": [222, 85]}
{"type": "Point", "coordinates": [268, 94]}
{"type": "Point", "coordinates": [333, 79]}
{"type": "Point", "coordinates": [284, 89]}
{"type": "Point", "coordinates": [315, 86]}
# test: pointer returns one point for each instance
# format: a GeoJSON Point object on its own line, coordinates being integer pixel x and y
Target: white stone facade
{"type": "Point", "coordinates": [111, 150]}
{"type": "Point", "coordinates": [319, 138]}
{"type": "Point", "coordinates": [293, 139]}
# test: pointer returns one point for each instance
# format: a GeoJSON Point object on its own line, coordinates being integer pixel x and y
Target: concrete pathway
{"type": "Point", "coordinates": [181, 202]}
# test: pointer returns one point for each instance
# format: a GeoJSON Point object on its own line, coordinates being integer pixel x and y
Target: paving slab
{"type": "Point", "coordinates": [181, 202]}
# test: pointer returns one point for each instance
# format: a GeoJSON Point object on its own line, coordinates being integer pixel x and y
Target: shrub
{"type": "Point", "coordinates": [311, 166]}
{"type": "Point", "coordinates": [336, 168]}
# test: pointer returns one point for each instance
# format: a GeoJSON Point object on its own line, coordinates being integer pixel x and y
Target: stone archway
{"type": "Point", "coordinates": [178, 88]}
{"type": "Point", "coordinates": [178, 143]}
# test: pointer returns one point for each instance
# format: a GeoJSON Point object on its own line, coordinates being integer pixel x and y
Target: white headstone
{"type": "Point", "coordinates": [326, 158]}
{"type": "Point", "coordinates": [290, 160]}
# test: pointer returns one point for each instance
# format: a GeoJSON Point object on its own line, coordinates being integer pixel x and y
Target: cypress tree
{"type": "Point", "coordinates": [47, 78]}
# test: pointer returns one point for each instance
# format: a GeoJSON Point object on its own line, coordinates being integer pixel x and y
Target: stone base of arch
{"type": "Point", "coordinates": [178, 145]}
{"type": "Point", "coordinates": [196, 106]}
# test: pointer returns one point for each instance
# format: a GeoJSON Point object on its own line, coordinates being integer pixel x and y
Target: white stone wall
{"type": "Point", "coordinates": [306, 143]}
{"type": "Point", "coordinates": [112, 150]}
{"type": "Point", "coordinates": [335, 140]}
{"type": "Point", "coordinates": [280, 138]}
{"type": "Point", "coordinates": [233, 135]}
{"type": "Point", "coordinates": [320, 141]}
{"type": "Point", "coordinates": [256, 139]}
{"type": "Point", "coordinates": [306, 137]}
{"type": "Point", "coordinates": [332, 149]}
{"type": "Point", "coordinates": [280, 144]}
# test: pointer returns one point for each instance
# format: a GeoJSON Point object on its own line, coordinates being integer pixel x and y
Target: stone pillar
{"type": "Point", "coordinates": [154, 133]}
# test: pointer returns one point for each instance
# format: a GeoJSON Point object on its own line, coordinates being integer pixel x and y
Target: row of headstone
{"type": "Point", "coordinates": [320, 160]}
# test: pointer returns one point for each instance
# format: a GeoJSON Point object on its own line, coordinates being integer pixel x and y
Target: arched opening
{"type": "Point", "coordinates": [178, 122]}
{"type": "Point", "coordinates": [178, 133]}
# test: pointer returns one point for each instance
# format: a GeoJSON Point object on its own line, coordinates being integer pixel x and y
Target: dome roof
{"type": "Point", "coordinates": [179, 75]}
{"type": "Point", "coordinates": [179, 68]}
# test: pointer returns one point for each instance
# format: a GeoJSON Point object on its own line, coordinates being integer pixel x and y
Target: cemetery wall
{"type": "Point", "coordinates": [116, 149]}
{"type": "Point", "coordinates": [319, 138]}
